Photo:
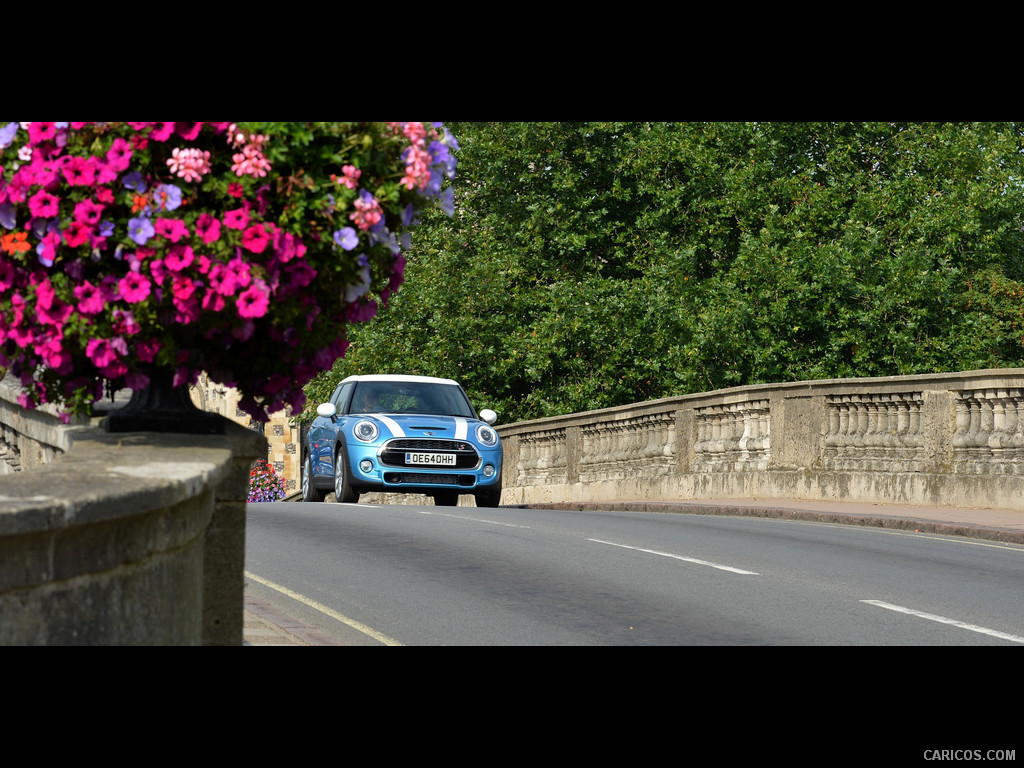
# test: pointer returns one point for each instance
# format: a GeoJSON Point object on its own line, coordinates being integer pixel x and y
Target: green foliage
{"type": "Point", "coordinates": [596, 264]}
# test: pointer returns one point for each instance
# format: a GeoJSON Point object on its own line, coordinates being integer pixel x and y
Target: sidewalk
{"type": "Point", "coordinates": [264, 625]}
{"type": "Point", "coordinates": [1004, 525]}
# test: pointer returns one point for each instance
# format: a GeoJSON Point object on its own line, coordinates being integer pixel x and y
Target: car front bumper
{"type": "Point", "coordinates": [368, 473]}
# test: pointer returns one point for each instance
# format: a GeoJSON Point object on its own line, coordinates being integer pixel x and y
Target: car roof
{"type": "Point", "coordinates": [398, 377]}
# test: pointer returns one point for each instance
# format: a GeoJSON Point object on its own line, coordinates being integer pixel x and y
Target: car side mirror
{"type": "Point", "coordinates": [488, 415]}
{"type": "Point", "coordinates": [327, 410]}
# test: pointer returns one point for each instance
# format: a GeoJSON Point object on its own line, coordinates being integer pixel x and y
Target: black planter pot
{"type": "Point", "coordinates": [162, 407]}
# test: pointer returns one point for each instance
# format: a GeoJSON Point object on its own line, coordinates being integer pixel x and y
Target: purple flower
{"type": "Point", "coordinates": [447, 201]}
{"type": "Point", "coordinates": [409, 216]}
{"type": "Point", "coordinates": [347, 238]}
{"type": "Point", "coordinates": [134, 181]}
{"type": "Point", "coordinates": [8, 219]}
{"type": "Point", "coordinates": [167, 197]}
{"type": "Point", "coordinates": [140, 229]}
{"type": "Point", "coordinates": [7, 134]}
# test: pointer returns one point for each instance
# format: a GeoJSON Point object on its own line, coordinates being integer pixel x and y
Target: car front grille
{"type": "Point", "coordinates": [393, 452]}
{"type": "Point", "coordinates": [422, 478]}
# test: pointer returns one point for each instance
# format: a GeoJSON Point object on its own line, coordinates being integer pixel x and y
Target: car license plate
{"type": "Point", "coordinates": [431, 459]}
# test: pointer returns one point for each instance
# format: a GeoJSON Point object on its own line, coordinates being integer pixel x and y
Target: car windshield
{"type": "Point", "coordinates": [410, 397]}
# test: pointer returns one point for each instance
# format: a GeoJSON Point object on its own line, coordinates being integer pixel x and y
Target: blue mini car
{"type": "Point", "coordinates": [402, 434]}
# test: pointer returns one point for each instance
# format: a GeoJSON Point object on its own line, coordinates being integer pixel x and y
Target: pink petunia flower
{"type": "Point", "coordinates": [213, 301]}
{"type": "Point", "coordinates": [173, 229]}
{"type": "Point", "coordinates": [255, 238]}
{"type": "Point", "coordinates": [188, 131]}
{"type": "Point", "coordinates": [241, 270]}
{"type": "Point", "coordinates": [179, 257]}
{"type": "Point", "coordinates": [7, 275]}
{"type": "Point", "coordinates": [55, 355]}
{"type": "Point", "coordinates": [236, 219]}
{"type": "Point", "coordinates": [40, 132]}
{"type": "Point", "coordinates": [79, 171]}
{"type": "Point", "coordinates": [100, 352]}
{"type": "Point", "coordinates": [146, 351]}
{"type": "Point", "coordinates": [43, 205]}
{"type": "Point", "coordinates": [88, 212]}
{"type": "Point", "coordinates": [90, 299]}
{"type": "Point", "coordinates": [222, 280]}
{"type": "Point", "coordinates": [45, 294]}
{"type": "Point", "coordinates": [186, 311]}
{"type": "Point", "coordinates": [183, 287]}
{"type": "Point", "coordinates": [47, 248]}
{"type": "Point", "coordinates": [252, 303]}
{"type": "Point", "coordinates": [119, 155]}
{"type": "Point", "coordinates": [161, 131]}
{"type": "Point", "coordinates": [134, 287]}
{"type": "Point", "coordinates": [208, 228]}
{"type": "Point", "coordinates": [76, 233]}
{"type": "Point", "coordinates": [158, 271]}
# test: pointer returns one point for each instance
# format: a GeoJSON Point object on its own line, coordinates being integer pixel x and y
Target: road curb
{"type": "Point", "coordinates": [870, 520]}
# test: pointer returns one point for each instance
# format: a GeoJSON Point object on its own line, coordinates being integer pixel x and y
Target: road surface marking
{"type": "Point", "coordinates": [679, 557]}
{"type": "Point", "coordinates": [467, 517]}
{"type": "Point", "coordinates": [944, 620]}
{"type": "Point", "coordinates": [358, 626]}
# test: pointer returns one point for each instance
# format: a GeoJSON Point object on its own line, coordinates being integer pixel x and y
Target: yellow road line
{"type": "Point", "coordinates": [358, 626]}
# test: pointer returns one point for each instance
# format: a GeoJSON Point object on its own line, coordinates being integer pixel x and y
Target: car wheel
{"type": "Point", "coordinates": [489, 498]}
{"type": "Point", "coordinates": [446, 499]}
{"type": "Point", "coordinates": [309, 493]}
{"type": "Point", "coordinates": [342, 488]}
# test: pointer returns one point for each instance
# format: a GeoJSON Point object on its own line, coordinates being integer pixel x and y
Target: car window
{"type": "Point", "coordinates": [341, 396]}
{"type": "Point", "coordinates": [410, 397]}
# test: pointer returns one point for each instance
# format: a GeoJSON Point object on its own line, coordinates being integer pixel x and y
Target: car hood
{"type": "Point", "coordinates": [420, 425]}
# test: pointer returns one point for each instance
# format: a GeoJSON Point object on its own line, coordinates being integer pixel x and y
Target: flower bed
{"type": "Point", "coordinates": [238, 249]}
{"type": "Point", "coordinates": [264, 483]}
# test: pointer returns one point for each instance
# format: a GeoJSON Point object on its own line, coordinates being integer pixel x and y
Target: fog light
{"type": "Point", "coordinates": [488, 471]}
{"type": "Point", "coordinates": [366, 465]}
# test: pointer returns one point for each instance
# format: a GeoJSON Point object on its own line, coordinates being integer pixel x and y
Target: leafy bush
{"type": "Point", "coordinates": [593, 264]}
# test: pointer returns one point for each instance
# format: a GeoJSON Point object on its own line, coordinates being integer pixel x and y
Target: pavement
{"type": "Point", "coordinates": [266, 625]}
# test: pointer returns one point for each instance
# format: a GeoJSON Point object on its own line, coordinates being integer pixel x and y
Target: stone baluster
{"type": "Point", "coordinates": [999, 439]}
{"type": "Point", "coordinates": [1015, 427]}
{"type": "Point", "coordinates": [834, 422]}
{"type": "Point", "coordinates": [961, 437]}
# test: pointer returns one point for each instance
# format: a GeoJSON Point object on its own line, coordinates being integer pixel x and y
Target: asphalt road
{"type": "Point", "coordinates": [433, 576]}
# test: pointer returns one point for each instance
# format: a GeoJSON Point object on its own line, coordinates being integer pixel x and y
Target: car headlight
{"type": "Point", "coordinates": [486, 436]}
{"type": "Point", "coordinates": [366, 431]}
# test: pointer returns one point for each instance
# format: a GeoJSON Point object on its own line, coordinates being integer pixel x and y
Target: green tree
{"type": "Point", "coordinates": [593, 264]}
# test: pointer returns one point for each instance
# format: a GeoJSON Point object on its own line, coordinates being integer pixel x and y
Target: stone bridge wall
{"type": "Point", "coordinates": [120, 539]}
{"type": "Point", "coordinates": [955, 439]}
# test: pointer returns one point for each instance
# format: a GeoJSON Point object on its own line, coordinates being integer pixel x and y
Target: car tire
{"type": "Point", "coordinates": [309, 493]}
{"type": "Point", "coordinates": [489, 498]}
{"type": "Point", "coordinates": [343, 492]}
{"type": "Point", "coordinates": [446, 499]}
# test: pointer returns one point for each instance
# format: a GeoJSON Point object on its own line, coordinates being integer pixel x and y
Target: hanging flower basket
{"type": "Point", "coordinates": [140, 254]}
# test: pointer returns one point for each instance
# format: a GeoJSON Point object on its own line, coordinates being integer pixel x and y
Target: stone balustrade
{"type": "Point", "coordinates": [954, 439]}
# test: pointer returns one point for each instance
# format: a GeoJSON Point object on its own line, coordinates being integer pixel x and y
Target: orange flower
{"type": "Point", "coordinates": [14, 242]}
{"type": "Point", "coordinates": [139, 202]}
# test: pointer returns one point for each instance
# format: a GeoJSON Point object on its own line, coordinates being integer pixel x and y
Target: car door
{"type": "Point", "coordinates": [323, 434]}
